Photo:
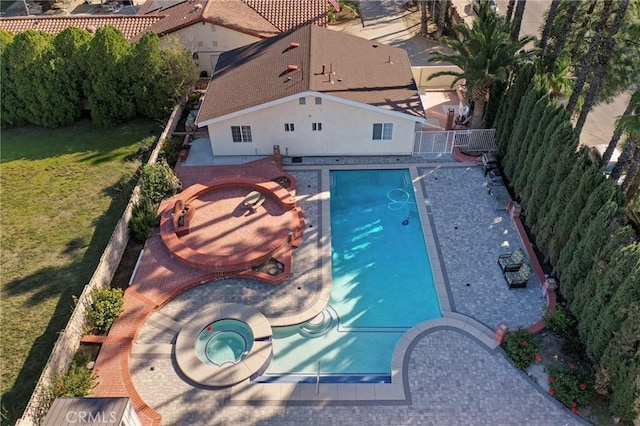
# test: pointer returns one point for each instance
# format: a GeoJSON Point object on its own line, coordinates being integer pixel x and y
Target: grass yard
{"type": "Point", "coordinates": [62, 192]}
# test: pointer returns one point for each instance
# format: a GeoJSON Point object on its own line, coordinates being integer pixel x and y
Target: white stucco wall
{"type": "Point", "coordinates": [346, 130]}
{"type": "Point", "coordinates": [211, 40]}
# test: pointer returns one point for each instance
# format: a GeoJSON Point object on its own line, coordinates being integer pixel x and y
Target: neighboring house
{"type": "Point", "coordinates": [210, 27]}
{"type": "Point", "coordinates": [131, 25]}
{"type": "Point", "coordinates": [312, 91]}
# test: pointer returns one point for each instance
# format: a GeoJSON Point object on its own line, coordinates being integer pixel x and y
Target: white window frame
{"type": "Point", "coordinates": [302, 101]}
{"type": "Point", "coordinates": [318, 100]}
{"type": "Point", "coordinates": [316, 127]}
{"type": "Point", "coordinates": [289, 127]}
{"type": "Point", "coordinates": [241, 134]}
{"type": "Point", "coordinates": [382, 131]}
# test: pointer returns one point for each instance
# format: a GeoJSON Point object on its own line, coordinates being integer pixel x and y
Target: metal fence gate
{"type": "Point", "coordinates": [443, 142]}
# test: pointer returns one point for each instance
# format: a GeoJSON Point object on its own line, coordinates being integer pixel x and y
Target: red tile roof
{"type": "Point", "coordinates": [362, 71]}
{"type": "Point", "coordinates": [289, 14]}
{"type": "Point", "coordinates": [260, 18]}
{"type": "Point", "coordinates": [130, 25]}
{"type": "Point", "coordinates": [235, 15]}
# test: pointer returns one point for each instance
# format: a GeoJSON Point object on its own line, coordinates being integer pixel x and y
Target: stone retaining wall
{"type": "Point", "coordinates": [69, 340]}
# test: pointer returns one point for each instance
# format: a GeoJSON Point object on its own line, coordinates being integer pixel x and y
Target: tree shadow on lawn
{"type": "Point", "coordinates": [100, 145]}
{"type": "Point", "coordinates": [47, 283]}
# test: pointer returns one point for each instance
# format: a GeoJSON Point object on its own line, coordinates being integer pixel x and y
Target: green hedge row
{"type": "Point", "coordinates": [577, 217]}
{"type": "Point", "coordinates": [48, 80]}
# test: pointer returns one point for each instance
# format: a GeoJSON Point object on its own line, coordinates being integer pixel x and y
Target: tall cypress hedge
{"type": "Point", "coordinates": [578, 218]}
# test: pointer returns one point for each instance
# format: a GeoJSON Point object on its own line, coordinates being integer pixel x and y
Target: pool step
{"type": "Point", "coordinates": [318, 325]}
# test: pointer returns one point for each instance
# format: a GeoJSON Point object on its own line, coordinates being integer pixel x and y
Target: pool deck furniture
{"type": "Point", "coordinates": [181, 218]}
{"type": "Point", "coordinates": [501, 197]}
{"type": "Point", "coordinates": [253, 200]}
{"type": "Point", "coordinates": [489, 162]}
{"type": "Point", "coordinates": [519, 278]}
{"type": "Point", "coordinates": [511, 261]}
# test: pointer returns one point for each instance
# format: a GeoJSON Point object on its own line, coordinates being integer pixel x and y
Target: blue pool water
{"type": "Point", "coordinates": [224, 342]}
{"type": "Point", "coordinates": [382, 282]}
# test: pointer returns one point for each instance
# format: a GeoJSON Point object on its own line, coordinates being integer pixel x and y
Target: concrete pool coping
{"type": "Point", "coordinates": [395, 393]}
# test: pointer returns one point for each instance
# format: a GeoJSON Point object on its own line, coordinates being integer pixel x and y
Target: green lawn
{"type": "Point", "coordinates": [62, 192]}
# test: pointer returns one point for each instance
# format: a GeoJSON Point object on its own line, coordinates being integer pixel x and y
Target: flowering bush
{"type": "Point", "coordinates": [522, 347]}
{"type": "Point", "coordinates": [571, 385]}
{"type": "Point", "coordinates": [78, 381]}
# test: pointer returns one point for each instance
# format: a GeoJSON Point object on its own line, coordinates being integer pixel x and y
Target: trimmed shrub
{"type": "Point", "coordinates": [522, 347]}
{"type": "Point", "coordinates": [158, 181]}
{"type": "Point", "coordinates": [560, 322]}
{"type": "Point", "coordinates": [170, 150]}
{"type": "Point", "coordinates": [108, 304]}
{"type": "Point", "coordinates": [144, 220]}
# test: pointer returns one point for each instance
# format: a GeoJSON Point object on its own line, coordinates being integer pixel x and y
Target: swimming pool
{"type": "Point", "coordinates": [382, 283]}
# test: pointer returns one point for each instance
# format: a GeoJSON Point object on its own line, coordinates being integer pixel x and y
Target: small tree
{"type": "Point", "coordinates": [179, 72]}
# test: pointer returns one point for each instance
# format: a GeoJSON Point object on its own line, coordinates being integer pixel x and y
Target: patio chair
{"type": "Point", "coordinates": [511, 261]}
{"type": "Point", "coordinates": [519, 278]}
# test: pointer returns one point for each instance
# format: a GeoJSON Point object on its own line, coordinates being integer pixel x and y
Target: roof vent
{"type": "Point", "coordinates": [292, 68]}
{"type": "Point", "coordinates": [294, 45]}
{"type": "Point", "coordinates": [198, 6]}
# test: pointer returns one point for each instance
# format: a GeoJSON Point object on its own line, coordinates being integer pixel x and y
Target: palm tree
{"type": "Point", "coordinates": [632, 173]}
{"type": "Point", "coordinates": [630, 125]}
{"type": "Point", "coordinates": [634, 103]}
{"type": "Point", "coordinates": [587, 60]}
{"type": "Point", "coordinates": [561, 37]}
{"type": "Point", "coordinates": [558, 80]}
{"type": "Point", "coordinates": [603, 60]}
{"type": "Point", "coordinates": [424, 17]}
{"type": "Point", "coordinates": [444, 6]}
{"type": "Point", "coordinates": [486, 55]}
{"type": "Point", "coordinates": [512, 4]}
{"type": "Point", "coordinates": [551, 16]}
{"type": "Point", "coordinates": [517, 20]}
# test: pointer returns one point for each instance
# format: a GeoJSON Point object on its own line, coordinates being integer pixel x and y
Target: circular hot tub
{"type": "Point", "coordinates": [224, 341]}
{"type": "Point", "coordinates": [224, 344]}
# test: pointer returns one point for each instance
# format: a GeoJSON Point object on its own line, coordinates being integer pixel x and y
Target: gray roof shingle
{"type": "Point", "coordinates": [356, 69]}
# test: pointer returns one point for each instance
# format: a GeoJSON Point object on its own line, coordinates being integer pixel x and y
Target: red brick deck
{"type": "Point", "coordinates": [170, 265]}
